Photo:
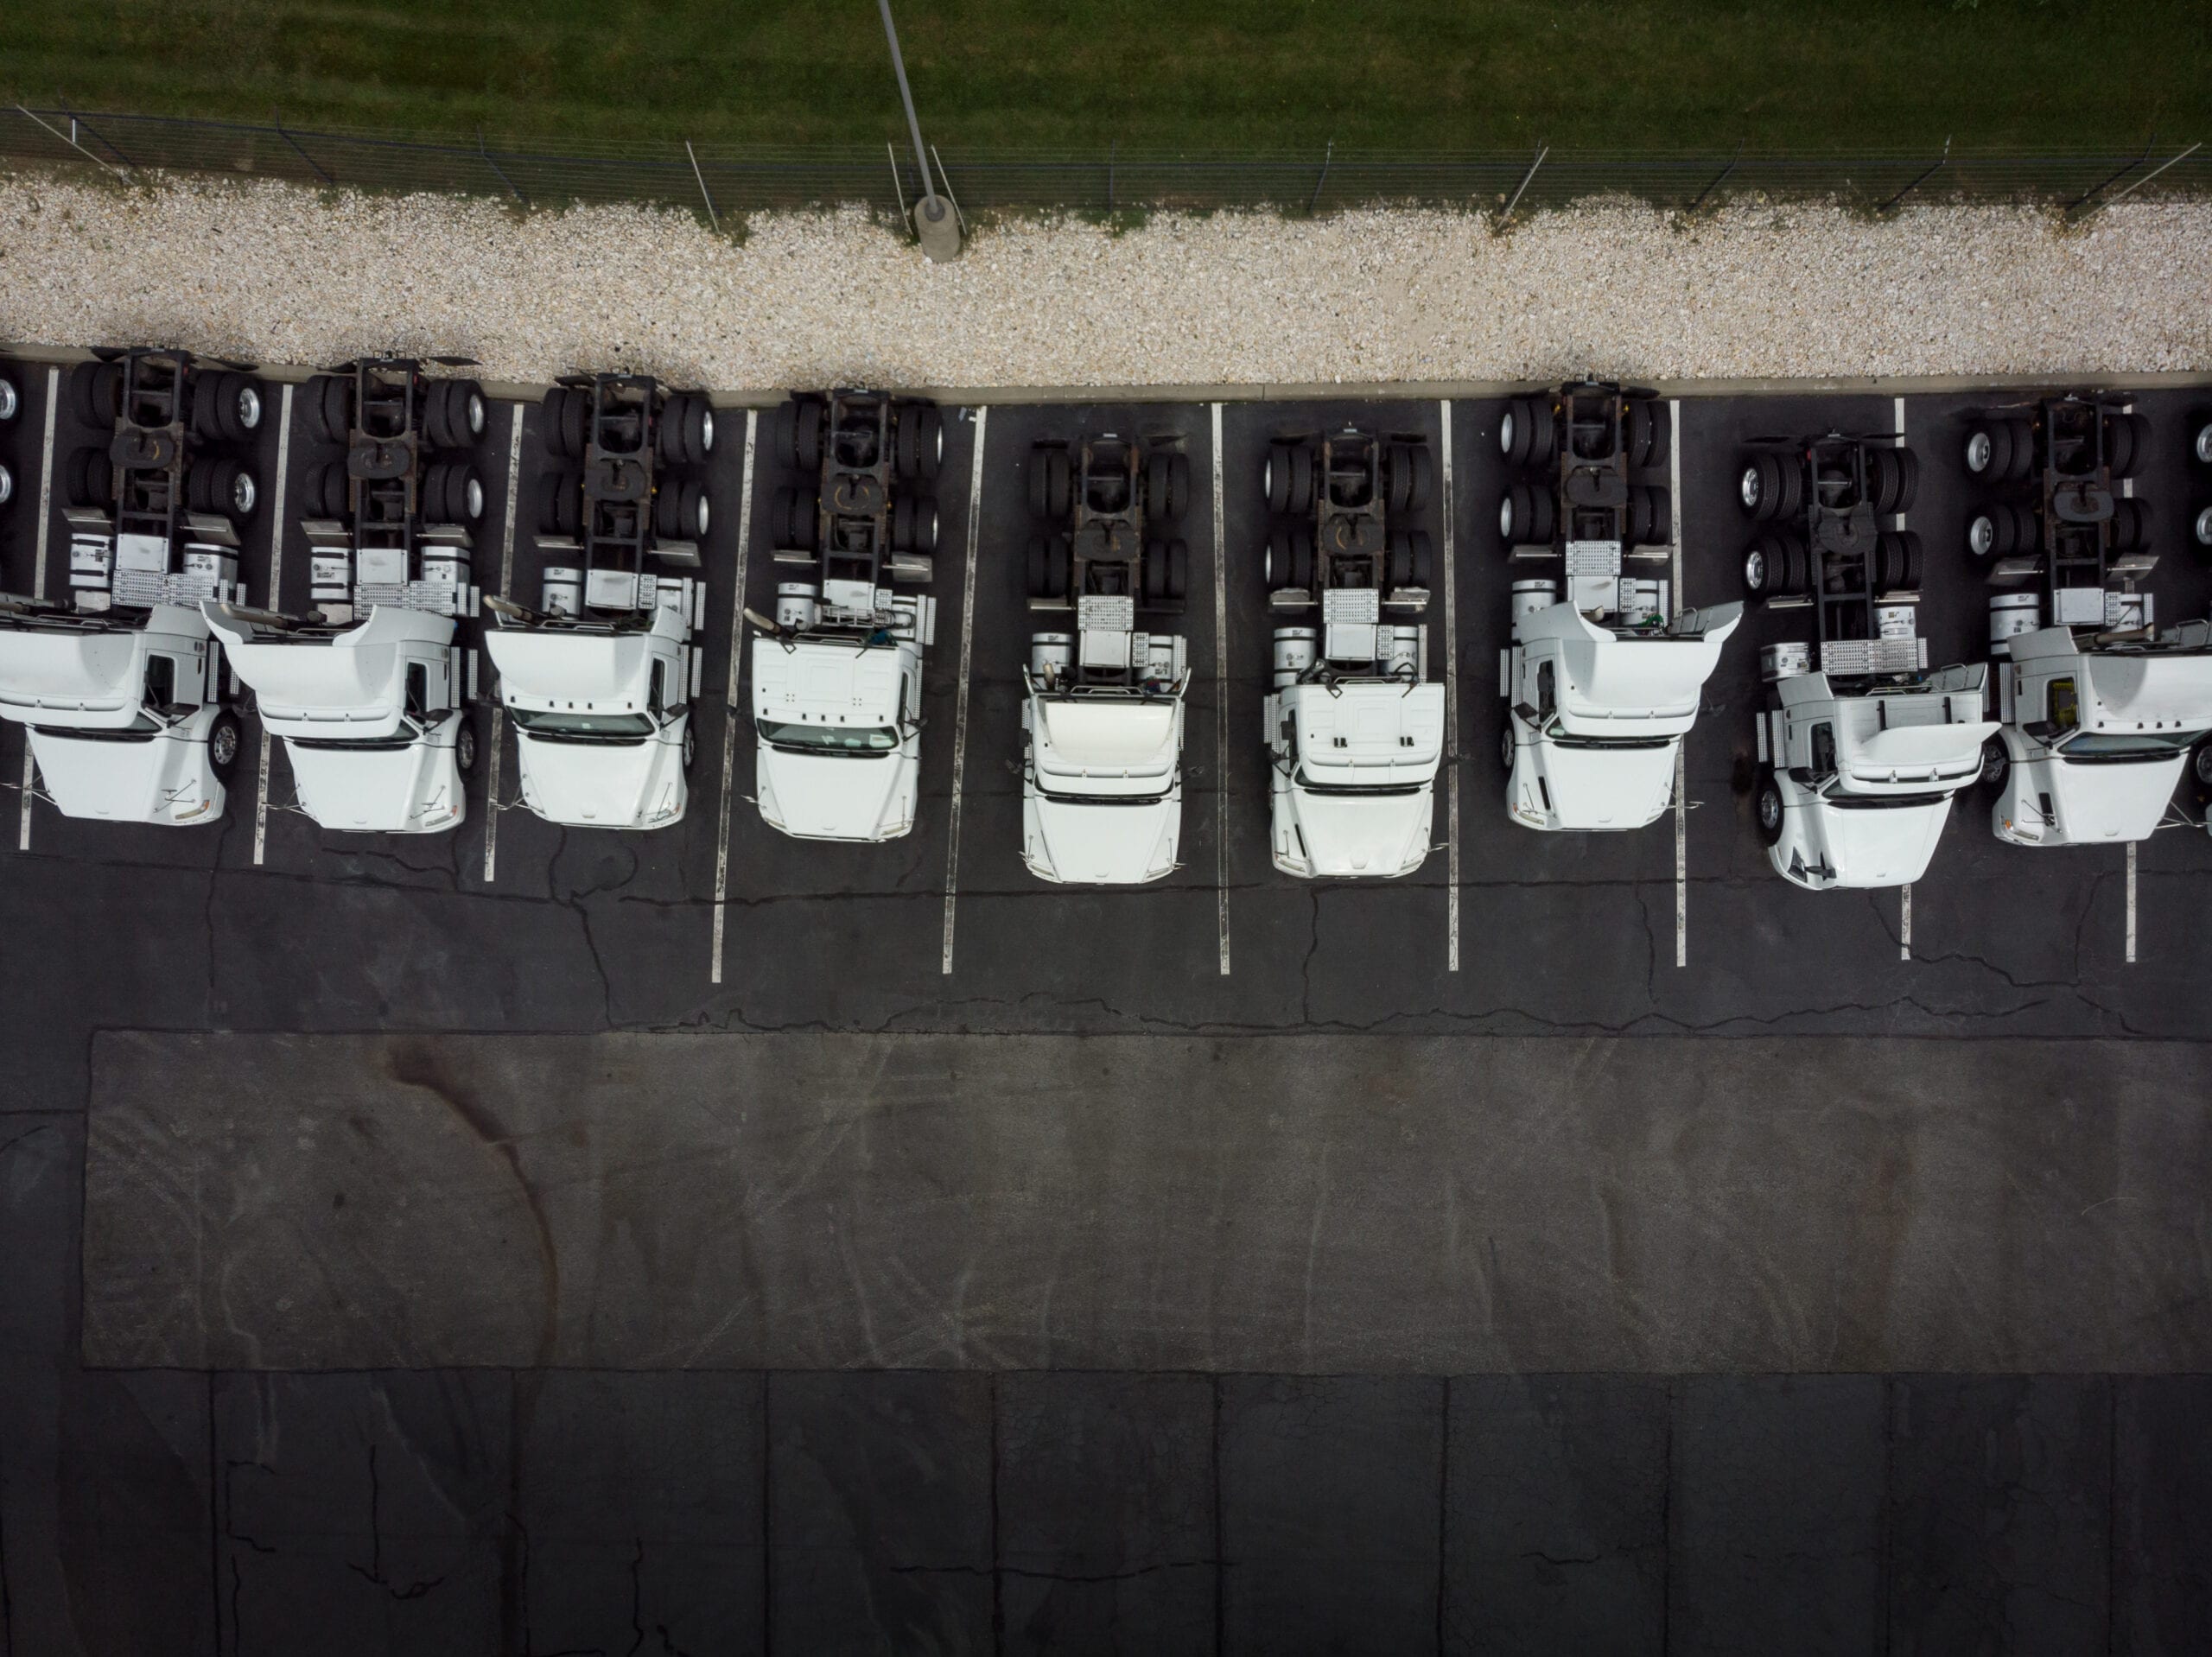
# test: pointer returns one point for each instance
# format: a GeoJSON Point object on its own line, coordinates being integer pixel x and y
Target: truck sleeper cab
{"type": "Point", "coordinates": [2095, 731]}
{"type": "Point", "coordinates": [370, 714]}
{"type": "Point", "coordinates": [1597, 705]}
{"type": "Point", "coordinates": [127, 723]}
{"type": "Point", "coordinates": [1859, 781]}
{"type": "Point", "coordinates": [1354, 762]}
{"type": "Point", "coordinates": [838, 723]}
{"type": "Point", "coordinates": [1101, 714]}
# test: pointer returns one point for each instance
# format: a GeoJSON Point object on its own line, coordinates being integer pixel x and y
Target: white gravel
{"type": "Point", "coordinates": [282, 274]}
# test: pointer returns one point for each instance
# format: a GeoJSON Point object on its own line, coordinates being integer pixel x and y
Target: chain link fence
{"type": "Point", "coordinates": [721, 179]}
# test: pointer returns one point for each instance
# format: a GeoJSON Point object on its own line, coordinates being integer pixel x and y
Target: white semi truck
{"type": "Point", "coordinates": [123, 689]}
{"type": "Point", "coordinates": [1861, 746]}
{"type": "Point", "coordinates": [2098, 708]}
{"type": "Point", "coordinates": [837, 672]}
{"type": "Point", "coordinates": [1600, 682]}
{"type": "Point", "coordinates": [370, 690]}
{"type": "Point", "coordinates": [1102, 713]}
{"type": "Point", "coordinates": [601, 679]}
{"type": "Point", "coordinates": [1353, 725]}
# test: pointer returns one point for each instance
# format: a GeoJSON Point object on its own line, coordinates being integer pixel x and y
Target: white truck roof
{"type": "Point", "coordinates": [582, 670]}
{"type": "Point", "coordinates": [825, 682]}
{"type": "Point", "coordinates": [1368, 734]}
{"type": "Point", "coordinates": [2127, 690]}
{"type": "Point", "coordinates": [83, 678]}
{"type": "Point", "coordinates": [352, 684]}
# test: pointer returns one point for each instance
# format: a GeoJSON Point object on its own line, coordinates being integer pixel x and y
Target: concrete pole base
{"type": "Point", "coordinates": [940, 235]}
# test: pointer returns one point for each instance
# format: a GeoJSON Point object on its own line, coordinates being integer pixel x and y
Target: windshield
{"type": "Point", "coordinates": [1881, 802]}
{"type": "Point", "coordinates": [2098, 745]}
{"type": "Point", "coordinates": [583, 727]}
{"type": "Point", "coordinates": [365, 744]}
{"type": "Point", "coordinates": [1562, 739]}
{"type": "Point", "coordinates": [1311, 787]}
{"type": "Point", "coordinates": [847, 741]}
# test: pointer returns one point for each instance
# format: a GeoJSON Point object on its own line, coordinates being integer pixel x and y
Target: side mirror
{"type": "Point", "coordinates": [2041, 730]}
{"type": "Point", "coordinates": [1525, 714]}
{"type": "Point", "coordinates": [1802, 775]}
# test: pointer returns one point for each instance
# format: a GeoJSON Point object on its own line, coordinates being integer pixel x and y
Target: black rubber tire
{"type": "Point", "coordinates": [1762, 567]}
{"type": "Point", "coordinates": [96, 389]}
{"type": "Point", "coordinates": [1981, 533]}
{"type": "Point", "coordinates": [1639, 516]}
{"type": "Point", "coordinates": [699, 444]}
{"type": "Point", "coordinates": [1758, 486]}
{"type": "Point", "coordinates": [223, 744]}
{"type": "Point", "coordinates": [1274, 570]}
{"type": "Point", "coordinates": [1152, 571]}
{"type": "Point", "coordinates": [1302, 479]}
{"type": "Point", "coordinates": [1516, 429]}
{"type": "Point", "coordinates": [1059, 484]}
{"type": "Point", "coordinates": [464, 747]}
{"type": "Point", "coordinates": [1179, 571]}
{"type": "Point", "coordinates": [926, 523]}
{"type": "Point", "coordinates": [1996, 761]}
{"type": "Point", "coordinates": [808, 417]}
{"type": "Point", "coordinates": [2200, 445]}
{"type": "Point", "coordinates": [1274, 478]}
{"type": "Point", "coordinates": [316, 487]}
{"type": "Point", "coordinates": [1658, 514]}
{"type": "Point", "coordinates": [1992, 440]}
{"type": "Point", "coordinates": [1908, 480]}
{"type": "Point", "coordinates": [1424, 556]}
{"type": "Point", "coordinates": [437, 416]}
{"type": "Point", "coordinates": [552, 487]}
{"type": "Point", "coordinates": [553, 422]}
{"type": "Point", "coordinates": [1766, 808]}
{"type": "Point", "coordinates": [1663, 433]}
{"type": "Point", "coordinates": [1914, 563]}
{"type": "Point", "coordinates": [903, 449]}
{"type": "Point", "coordinates": [1515, 514]}
{"type": "Point", "coordinates": [1040, 553]}
{"type": "Point", "coordinates": [1421, 487]}
{"type": "Point", "coordinates": [435, 491]}
{"type": "Point", "coordinates": [1301, 562]}
{"type": "Point", "coordinates": [2123, 443]}
{"type": "Point", "coordinates": [1398, 477]}
{"type": "Point", "coordinates": [1798, 561]}
{"type": "Point", "coordinates": [1178, 487]}
{"type": "Point", "coordinates": [1889, 562]}
{"type": "Point", "coordinates": [1397, 561]}
{"type": "Point", "coordinates": [466, 412]}
{"type": "Point", "coordinates": [1639, 432]}
{"type": "Point", "coordinates": [667, 513]}
{"type": "Point", "coordinates": [11, 399]}
{"type": "Point", "coordinates": [668, 429]}
{"type": "Point", "coordinates": [802, 526]}
{"type": "Point", "coordinates": [694, 511]}
{"type": "Point", "coordinates": [2026, 534]}
{"type": "Point", "coordinates": [2023, 463]}
{"type": "Point", "coordinates": [464, 496]}
{"type": "Point", "coordinates": [2131, 524]}
{"type": "Point", "coordinates": [2201, 526]}
{"type": "Point", "coordinates": [323, 403]}
{"type": "Point", "coordinates": [1036, 489]}
{"type": "Point", "coordinates": [1153, 485]}
{"type": "Point", "coordinates": [1883, 481]}
{"type": "Point", "coordinates": [77, 477]}
{"type": "Point", "coordinates": [1543, 515]}
{"type": "Point", "coordinates": [929, 439]}
{"type": "Point", "coordinates": [227, 487]}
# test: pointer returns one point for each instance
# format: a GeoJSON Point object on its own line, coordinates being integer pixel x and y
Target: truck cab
{"type": "Point", "coordinates": [126, 722]}
{"type": "Point", "coordinates": [838, 722]}
{"type": "Point", "coordinates": [2095, 728]}
{"type": "Point", "coordinates": [837, 672]}
{"type": "Point", "coordinates": [601, 679]}
{"type": "Point", "coordinates": [1861, 775]}
{"type": "Point", "coordinates": [1353, 725]}
{"type": "Point", "coordinates": [1101, 714]}
{"type": "Point", "coordinates": [1599, 701]}
{"type": "Point", "coordinates": [371, 712]}
{"type": "Point", "coordinates": [123, 689]}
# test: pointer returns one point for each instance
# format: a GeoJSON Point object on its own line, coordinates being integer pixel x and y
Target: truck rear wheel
{"type": "Point", "coordinates": [223, 744]}
{"type": "Point", "coordinates": [2204, 527]}
{"type": "Point", "coordinates": [1274, 478]}
{"type": "Point", "coordinates": [7, 485]}
{"type": "Point", "coordinates": [87, 478]}
{"type": "Point", "coordinates": [1040, 554]}
{"type": "Point", "coordinates": [1758, 487]}
{"type": "Point", "coordinates": [2131, 524]}
{"type": "Point", "coordinates": [1276, 572]}
{"type": "Point", "coordinates": [1302, 479]}
{"type": "Point", "coordinates": [1179, 571]}
{"type": "Point", "coordinates": [330, 408]}
{"type": "Point", "coordinates": [561, 511]}
{"type": "Point", "coordinates": [96, 390]}
{"type": "Point", "coordinates": [1769, 808]}
{"type": "Point", "coordinates": [11, 400]}
{"type": "Point", "coordinates": [554, 420]}
{"type": "Point", "coordinates": [2202, 447]}
{"type": "Point", "coordinates": [2124, 435]}
{"type": "Point", "coordinates": [693, 511]}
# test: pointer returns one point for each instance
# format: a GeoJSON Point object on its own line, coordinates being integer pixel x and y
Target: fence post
{"type": "Point", "coordinates": [484, 151]}
{"type": "Point", "coordinates": [74, 144]}
{"type": "Point", "coordinates": [303, 154]}
{"type": "Point", "coordinates": [711, 218]}
{"type": "Point", "coordinates": [1542, 152]}
{"type": "Point", "coordinates": [1327, 155]}
{"type": "Point", "coordinates": [1930, 172]}
{"type": "Point", "coordinates": [1719, 179]}
{"type": "Point", "coordinates": [2138, 183]}
{"type": "Point", "coordinates": [949, 195]}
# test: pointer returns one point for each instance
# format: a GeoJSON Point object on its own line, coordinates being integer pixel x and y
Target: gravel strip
{"type": "Point", "coordinates": [277, 274]}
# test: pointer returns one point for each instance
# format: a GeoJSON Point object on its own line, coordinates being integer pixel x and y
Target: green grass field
{"type": "Point", "coordinates": [1406, 74]}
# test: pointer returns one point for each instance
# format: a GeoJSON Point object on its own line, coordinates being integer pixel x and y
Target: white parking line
{"type": "Point", "coordinates": [1450, 705]}
{"type": "Point", "coordinates": [1681, 748]}
{"type": "Point", "coordinates": [1905, 893]}
{"type": "Point", "coordinates": [736, 664]}
{"type": "Point", "coordinates": [1221, 701]}
{"type": "Point", "coordinates": [276, 585]}
{"type": "Point", "coordinates": [2130, 903]}
{"type": "Point", "coordinates": [960, 710]}
{"type": "Point", "coordinates": [38, 576]}
{"type": "Point", "coordinates": [506, 587]}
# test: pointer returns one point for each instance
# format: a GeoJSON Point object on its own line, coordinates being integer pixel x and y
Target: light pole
{"type": "Point", "coordinates": [935, 222]}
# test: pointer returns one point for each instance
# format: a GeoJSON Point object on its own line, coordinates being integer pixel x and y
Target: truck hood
{"type": "Point", "coordinates": [1364, 834]}
{"type": "Point", "coordinates": [2106, 800]}
{"type": "Point", "coordinates": [1368, 734]}
{"type": "Point", "coordinates": [605, 784]}
{"type": "Point", "coordinates": [88, 679]}
{"type": "Point", "coordinates": [832, 796]}
{"type": "Point", "coordinates": [351, 684]}
{"type": "Point", "coordinates": [1102, 845]}
{"type": "Point", "coordinates": [1106, 745]}
{"type": "Point", "coordinates": [414, 790]}
{"type": "Point", "coordinates": [1890, 846]}
{"type": "Point", "coordinates": [164, 779]}
{"type": "Point", "coordinates": [590, 672]}
{"type": "Point", "coordinates": [1603, 788]}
